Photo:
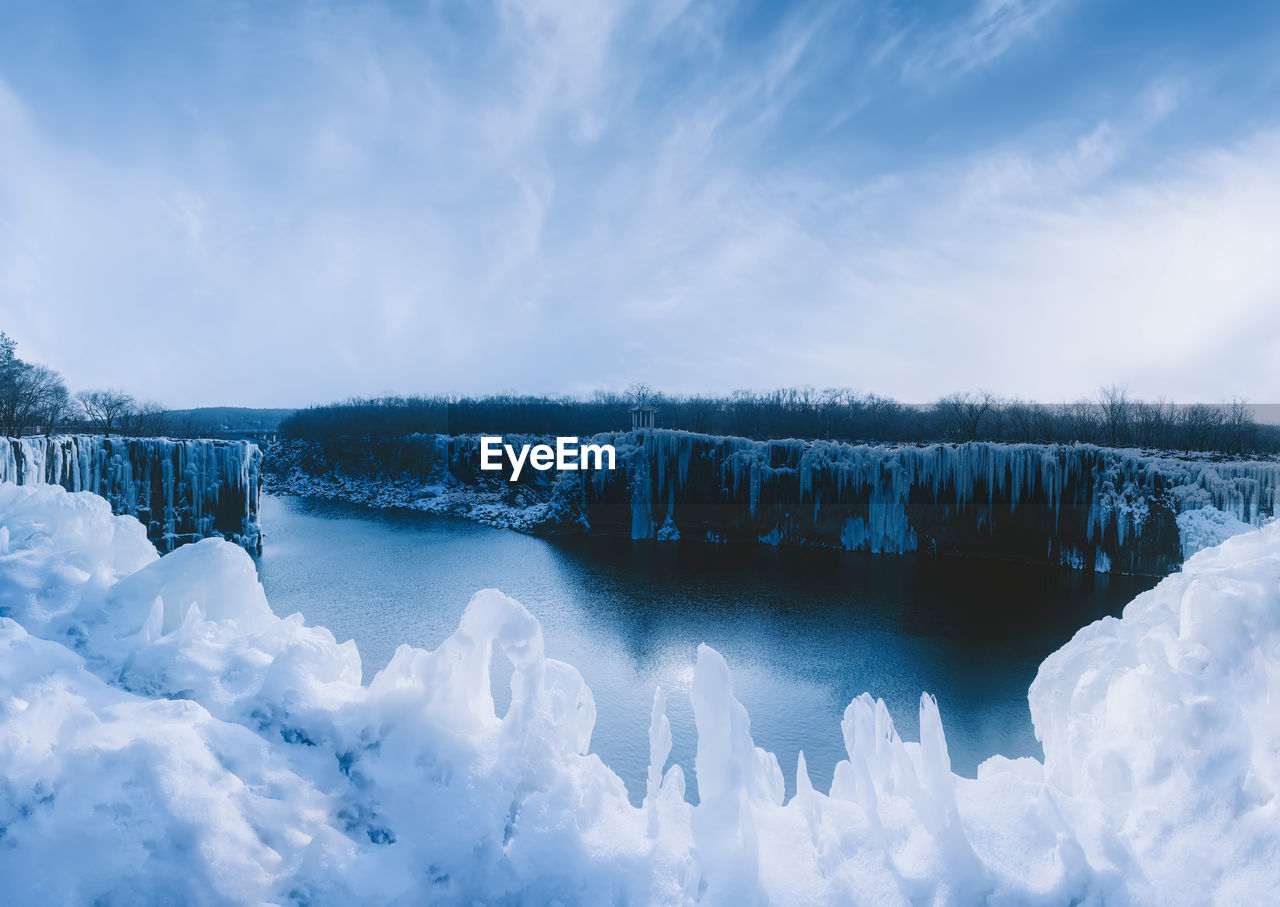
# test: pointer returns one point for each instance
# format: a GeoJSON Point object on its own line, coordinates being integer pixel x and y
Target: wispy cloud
{"type": "Point", "coordinates": [559, 196]}
{"type": "Point", "coordinates": [990, 29]}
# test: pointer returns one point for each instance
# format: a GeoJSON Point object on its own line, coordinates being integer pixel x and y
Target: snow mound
{"type": "Point", "coordinates": [1166, 720]}
{"type": "Point", "coordinates": [164, 737]}
{"type": "Point", "coordinates": [1207, 527]}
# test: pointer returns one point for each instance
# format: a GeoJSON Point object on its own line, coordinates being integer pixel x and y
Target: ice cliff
{"type": "Point", "coordinates": [1081, 506]}
{"type": "Point", "coordinates": [1077, 505]}
{"type": "Point", "coordinates": [180, 490]}
{"type": "Point", "coordinates": [165, 738]}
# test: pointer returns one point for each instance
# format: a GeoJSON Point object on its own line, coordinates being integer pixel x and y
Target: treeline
{"type": "Point", "coordinates": [31, 394]}
{"type": "Point", "coordinates": [34, 400]}
{"type": "Point", "coordinates": [1111, 419]}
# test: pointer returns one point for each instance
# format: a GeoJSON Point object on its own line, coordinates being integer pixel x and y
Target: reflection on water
{"type": "Point", "coordinates": [803, 631]}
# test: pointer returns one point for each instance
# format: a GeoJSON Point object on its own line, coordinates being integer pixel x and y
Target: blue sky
{"type": "Point", "coordinates": [277, 204]}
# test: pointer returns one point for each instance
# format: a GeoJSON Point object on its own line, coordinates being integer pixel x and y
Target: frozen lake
{"type": "Point", "coordinates": [803, 631]}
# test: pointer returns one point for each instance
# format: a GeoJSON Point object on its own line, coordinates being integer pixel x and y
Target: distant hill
{"type": "Point", "coordinates": [222, 419]}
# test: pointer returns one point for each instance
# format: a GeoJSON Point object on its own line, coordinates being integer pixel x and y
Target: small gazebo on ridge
{"type": "Point", "coordinates": [642, 415]}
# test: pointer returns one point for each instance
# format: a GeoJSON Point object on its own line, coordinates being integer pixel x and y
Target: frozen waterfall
{"type": "Point", "coordinates": [181, 490]}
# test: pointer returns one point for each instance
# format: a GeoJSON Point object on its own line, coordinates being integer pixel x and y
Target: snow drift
{"type": "Point", "coordinates": [164, 737]}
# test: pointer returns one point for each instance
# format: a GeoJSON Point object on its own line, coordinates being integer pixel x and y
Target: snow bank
{"type": "Point", "coordinates": [165, 738]}
{"type": "Point", "coordinates": [442, 495]}
{"type": "Point", "coordinates": [1166, 720]}
{"type": "Point", "coordinates": [1207, 527]}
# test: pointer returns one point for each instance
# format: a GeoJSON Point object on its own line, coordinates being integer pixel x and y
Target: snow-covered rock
{"type": "Point", "coordinates": [429, 473]}
{"type": "Point", "coordinates": [164, 737]}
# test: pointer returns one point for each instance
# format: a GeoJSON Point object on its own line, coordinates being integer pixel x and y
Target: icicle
{"type": "Point", "coordinates": [201, 483]}
{"type": "Point", "coordinates": [868, 497]}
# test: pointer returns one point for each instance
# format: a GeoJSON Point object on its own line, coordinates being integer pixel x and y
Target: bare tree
{"type": "Point", "coordinates": [57, 406]}
{"type": "Point", "coordinates": [639, 393]}
{"type": "Point", "coordinates": [1079, 421]}
{"type": "Point", "coordinates": [801, 413]}
{"type": "Point", "coordinates": [106, 410]}
{"type": "Point", "coordinates": [27, 391]}
{"type": "Point", "coordinates": [145, 420]}
{"type": "Point", "coordinates": [1239, 426]}
{"type": "Point", "coordinates": [967, 412]}
{"type": "Point", "coordinates": [1200, 424]}
{"type": "Point", "coordinates": [1117, 413]}
{"type": "Point", "coordinates": [700, 410]}
{"type": "Point", "coordinates": [1153, 423]}
{"type": "Point", "coordinates": [1023, 420]}
{"type": "Point", "coordinates": [25, 394]}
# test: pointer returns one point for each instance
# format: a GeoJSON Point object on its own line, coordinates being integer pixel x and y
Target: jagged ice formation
{"type": "Point", "coordinates": [164, 737]}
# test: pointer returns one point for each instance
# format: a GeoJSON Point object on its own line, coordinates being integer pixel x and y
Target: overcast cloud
{"type": "Point", "coordinates": [242, 204]}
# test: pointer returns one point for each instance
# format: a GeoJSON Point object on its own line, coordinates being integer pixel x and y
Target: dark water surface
{"type": "Point", "coordinates": [803, 631]}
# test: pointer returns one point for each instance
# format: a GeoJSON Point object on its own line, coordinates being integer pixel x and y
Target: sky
{"type": "Point", "coordinates": [289, 203]}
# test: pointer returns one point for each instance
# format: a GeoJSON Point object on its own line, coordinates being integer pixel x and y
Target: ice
{"type": "Point", "coordinates": [1167, 718]}
{"type": "Point", "coordinates": [1088, 507]}
{"type": "Point", "coordinates": [1207, 527]}
{"type": "Point", "coordinates": [657, 786]}
{"type": "Point", "coordinates": [164, 737]}
{"type": "Point", "coordinates": [898, 499]}
{"type": "Point", "coordinates": [181, 490]}
{"type": "Point", "coordinates": [110, 797]}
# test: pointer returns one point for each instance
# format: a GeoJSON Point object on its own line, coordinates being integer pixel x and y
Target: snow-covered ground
{"type": "Point", "coordinates": [443, 496]}
{"type": "Point", "coordinates": [164, 737]}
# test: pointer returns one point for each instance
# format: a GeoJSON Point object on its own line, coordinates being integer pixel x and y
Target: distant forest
{"type": "Point", "coordinates": [35, 400]}
{"type": "Point", "coordinates": [1112, 419]}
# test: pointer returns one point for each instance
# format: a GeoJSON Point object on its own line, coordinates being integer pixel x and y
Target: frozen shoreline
{"type": "Point", "coordinates": [442, 498]}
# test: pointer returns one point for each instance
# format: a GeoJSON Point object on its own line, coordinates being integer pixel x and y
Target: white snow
{"type": "Point", "coordinates": [1207, 527]}
{"type": "Point", "coordinates": [165, 738]}
{"type": "Point", "coordinates": [441, 495]}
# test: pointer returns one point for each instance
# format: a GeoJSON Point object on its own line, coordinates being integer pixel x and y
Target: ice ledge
{"type": "Point", "coordinates": [181, 490]}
